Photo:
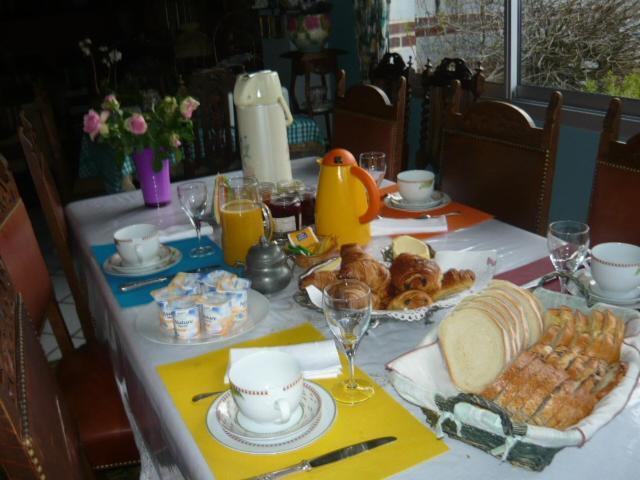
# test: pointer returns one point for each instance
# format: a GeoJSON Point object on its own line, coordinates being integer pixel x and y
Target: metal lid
{"type": "Point", "coordinates": [264, 254]}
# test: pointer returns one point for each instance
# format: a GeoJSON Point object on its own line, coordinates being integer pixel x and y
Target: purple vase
{"type": "Point", "coordinates": [155, 186]}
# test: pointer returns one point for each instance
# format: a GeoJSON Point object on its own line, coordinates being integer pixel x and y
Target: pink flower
{"type": "Point", "coordinates": [174, 140]}
{"type": "Point", "coordinates": [111, 102]}
{"type": "Point", "coordinates": [312, 22]}
{"type": "Point", "coordinates": [136, 124]}
{"type": "Point", "coordinates": [188, 106]}
{"type": "Point", "coordinates": [95, 123]}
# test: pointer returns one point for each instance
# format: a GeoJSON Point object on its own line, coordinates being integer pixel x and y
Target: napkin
{"type": "Point", "coordinates": [397, 226]}
{"type": "Point", "coordinates": [180, 232]}
{"type": "Point", "coordinates": [316, 359]}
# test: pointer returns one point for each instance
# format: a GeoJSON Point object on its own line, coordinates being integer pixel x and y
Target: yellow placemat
{"type": "Point", "coordinates": [378, 417]}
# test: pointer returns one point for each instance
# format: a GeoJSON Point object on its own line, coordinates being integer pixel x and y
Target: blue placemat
{"type": "Point", "coordinates": [142, 295]}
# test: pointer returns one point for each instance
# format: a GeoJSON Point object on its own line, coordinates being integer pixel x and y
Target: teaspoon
{"type": "Point", "coordinates": [448, 214]}
{"type": "Point", "coordinates": [201, 396]}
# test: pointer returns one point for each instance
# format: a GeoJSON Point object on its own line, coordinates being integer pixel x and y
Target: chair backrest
{"type": "Point", "coordinates": [20, 252]}
{"type": "Point", "coordinates": [614, 197]}
{"type": "Point", "coordinates": [437, 85]}
{"type": "Point", "coordinates": [215, 148]}
{"type": "Point", "coordinates": [365, 120]}
{"type": "Point", "coordinates": [54, 214]}
{"type": "Point", "coordinates": [494, 158]}
{"type": "Point", "coordinates": [39, 438]}
{"type": "Point", "coordinates": [386, 75]}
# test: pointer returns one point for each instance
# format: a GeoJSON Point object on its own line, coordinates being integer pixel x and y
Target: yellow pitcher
{"type": "Point", "coordinates": [347, 199]}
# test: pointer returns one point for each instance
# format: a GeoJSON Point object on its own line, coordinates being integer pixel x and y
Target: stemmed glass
{"type": "Point", "coordinates": [193, 198]}
{"type": "Point", "coordinates": [347, 310]}
{"type": "Point", "coordinates": [375, 163]}
{"type": "Point", "coordinates": [568, 244]}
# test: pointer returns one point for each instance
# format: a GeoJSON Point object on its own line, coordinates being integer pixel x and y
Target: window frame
{"type": "Point", "coordinates": [581, 109]}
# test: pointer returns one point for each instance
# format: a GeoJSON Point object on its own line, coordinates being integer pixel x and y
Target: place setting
{"type": "Point", "coordinates": [416, 193]}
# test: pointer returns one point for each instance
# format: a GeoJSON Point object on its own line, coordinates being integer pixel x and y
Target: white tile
{"type": "Point", "coordinates": [47, 328]}
{"type": "Point", "coordinates": [78, 341]}
{"type": "Point", "coordinates": [60, 286]}
{"type": "Point", "coordinates": [54, 355]}
{"type": "Point", "coordinates": [70, 317]}
{"type": "Point", "coordinates": [49, 345]}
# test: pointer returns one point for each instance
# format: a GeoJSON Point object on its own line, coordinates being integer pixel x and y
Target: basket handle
{"type": "Point", "coordinates": [584, 291]}
{"type": "Point", "coordinates": [478, 401]}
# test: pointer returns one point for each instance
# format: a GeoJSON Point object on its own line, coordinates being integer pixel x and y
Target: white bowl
{"type": "Point", "coordinates": [416, 186]}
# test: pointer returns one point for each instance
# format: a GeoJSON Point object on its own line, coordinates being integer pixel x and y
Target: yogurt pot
{"type": "Point", "coordinates": [217, 318]}
{"type": "Point", "coordinates": [212, 280]}
{"type": "Point", "coordinates": [163, 297]}
{"type": "Point", "coordinates": [186, 317]}
{"type": "Point", "coordinates": [237, 291]}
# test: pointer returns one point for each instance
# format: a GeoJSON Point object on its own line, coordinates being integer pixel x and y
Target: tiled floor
{"type": "Point", "coordinates": [60, 286]}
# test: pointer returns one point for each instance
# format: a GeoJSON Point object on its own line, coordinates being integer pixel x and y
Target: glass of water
{"type": "Point", "coordinates": [375, 163]}
{"type": "Point", "coordinates": [347, 310]}
{"type": "Point", "coordinates": [568, 244]}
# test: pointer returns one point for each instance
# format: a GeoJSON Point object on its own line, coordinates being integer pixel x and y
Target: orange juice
{"type": "Point", "coordinates": [241, 229]}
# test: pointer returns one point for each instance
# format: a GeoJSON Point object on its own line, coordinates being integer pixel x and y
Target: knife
{"type": "Point", "coordinates": [129, 286]}
{"type": "Point", "coordinates": [340, 454]}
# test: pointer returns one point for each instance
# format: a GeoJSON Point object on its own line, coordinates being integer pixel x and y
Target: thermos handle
{"type": "Point", "coordinates": [288, 118]}
{"type": "Point", "coordinates": [373, 192]}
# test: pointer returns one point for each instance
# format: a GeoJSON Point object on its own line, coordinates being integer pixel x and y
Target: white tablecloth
{"type": "Point", "coordinates": [170, 451]}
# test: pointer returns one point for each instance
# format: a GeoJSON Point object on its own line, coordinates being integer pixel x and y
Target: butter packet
{"type": "Point", "coordinates": [305, 238]}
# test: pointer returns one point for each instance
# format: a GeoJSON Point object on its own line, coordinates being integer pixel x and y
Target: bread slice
{"type": "Point", "coordinates": [513, 305]}
{"type": "Point", "coordinates": [474, 347]}
{"type": "Point", "coordinates": [531, 307]}
{"type": "Point", "coordinates": [502, 317]}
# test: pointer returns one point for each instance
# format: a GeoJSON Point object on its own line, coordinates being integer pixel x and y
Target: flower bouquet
{"type": "Point", "coordinates": [151, 138]}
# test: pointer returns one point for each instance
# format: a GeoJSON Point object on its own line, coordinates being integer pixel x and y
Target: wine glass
{"type": "Point", "coordinates": [568, 244]}
{"type": "Point", "coordinates": [347, 310]}
{"type": "Point", "coordinates": [193, 198]}
{"type": "Point", "coordinates": [375, 163]}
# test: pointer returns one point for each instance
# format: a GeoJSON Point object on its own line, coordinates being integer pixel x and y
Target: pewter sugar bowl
{"type": "Point", "coordinates": [268, 267]}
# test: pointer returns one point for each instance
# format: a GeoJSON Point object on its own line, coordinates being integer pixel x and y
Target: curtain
{"type": "Point", "coordinates": [372, 32]}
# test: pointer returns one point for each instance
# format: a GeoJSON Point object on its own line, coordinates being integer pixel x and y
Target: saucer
{"type": "Point", "coordinates": [633, 294]}
{"type": "Point", "coordinates": [270, 429]}
{"type": "Point", "coordinates": [117, 262]}
{"type": "Point", "coordinates": [295, 440]}
{"type": "Point", "coordinates": [596, 294]}
{"type": "Point", "coordinates": [231, 419]}
{"type": "Point", "coordinates": [113, 265]}
{"type": "Point", "coordinates": [437, 200]}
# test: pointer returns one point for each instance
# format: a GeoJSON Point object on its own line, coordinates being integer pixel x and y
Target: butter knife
{"type": "Point", "coordinates": [336, 455]}
{"type": "Point", "coordinates": [129, 286]}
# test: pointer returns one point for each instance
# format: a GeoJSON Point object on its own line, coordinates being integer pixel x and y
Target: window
{"type": "Point", "coordinates": [589, 49]}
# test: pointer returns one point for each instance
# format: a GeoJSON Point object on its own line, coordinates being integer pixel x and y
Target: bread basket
{"type": "Point", "coordinates": [421, 377]}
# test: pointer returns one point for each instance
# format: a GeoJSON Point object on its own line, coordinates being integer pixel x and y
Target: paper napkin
{"type": "Point", "coordinates": [180, 232]}
{"type": "Point", "coordinates": [316, 359]}
{"type": "Point", "coordinates": [397, 226]}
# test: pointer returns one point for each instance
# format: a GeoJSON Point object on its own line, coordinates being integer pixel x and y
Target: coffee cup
{"type": "Point", "coordinates": [615, 267]}
{"type": "Point", "coordinates": [137, 244]}
{"type": "Point", "coordinates": [267, 388]}
{"type": "Point", "coordinates": [416, 186]}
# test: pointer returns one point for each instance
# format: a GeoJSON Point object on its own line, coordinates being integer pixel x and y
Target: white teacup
{"type": "Point", "coordinates": [616, 268]}
{"type": "Point", "coordinates": [138, 244]}
{"type": "Point", "coordinates": [416, 186]}
{"type": "Point", "coordinates": [267, 387]}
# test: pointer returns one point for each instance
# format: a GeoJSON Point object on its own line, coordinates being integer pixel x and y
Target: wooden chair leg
{"type": "Point", "coordinates": [59, 328]}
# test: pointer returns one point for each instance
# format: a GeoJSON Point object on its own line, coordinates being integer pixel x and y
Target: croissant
{"type": "Point", "coordinates": [409, 300]}
{"type": "Point", "coordinates": [454, 281]}
{"type": "Point", "coordinates": [319, 279]}
{"type": "Point", "coordinates": [412, 272]}
{"type": "Point", "coordinates": [359, 265]}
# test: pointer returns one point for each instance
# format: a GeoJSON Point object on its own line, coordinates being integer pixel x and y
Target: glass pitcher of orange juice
{"type": "Point", "coordinates": [244, 218]}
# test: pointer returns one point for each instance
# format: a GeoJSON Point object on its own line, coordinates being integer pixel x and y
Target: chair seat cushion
{"type": "Point", "coordinates": [89, 387]}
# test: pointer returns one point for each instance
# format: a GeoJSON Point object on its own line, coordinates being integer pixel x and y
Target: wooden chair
{"type": "Point", "coordinates": [437, 85]}
{"type": "Point", "coordinates": [84, 375]}
{"type": "Point", "coordinates": [215, 148]}
{"type": "Point", "coordinates": [495, 159]}
{"type": "Point", "coordinates": [365, 120]}
{"type": "Point", "coordinates": [614, 197]}
{"type": "Point", "coordinates": [39, 437]}
{"type": "Point", "coordinates": [54, 215]}
{"type": "Point", "coordinates": [386, 75]}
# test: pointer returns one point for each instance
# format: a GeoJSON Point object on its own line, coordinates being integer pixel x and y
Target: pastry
{"type": "Point", "coordinates": [412, 272]}
{"type": "Point", "coordinates": [454, 281]}
{"type": "Point", "coordinates": [410, 299]}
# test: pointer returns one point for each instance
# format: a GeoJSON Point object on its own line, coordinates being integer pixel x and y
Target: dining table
{"type": "Point", "coordinates": [167, 448]}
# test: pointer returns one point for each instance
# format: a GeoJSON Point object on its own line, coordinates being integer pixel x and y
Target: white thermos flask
{"type": "Point", "coordinates": [263, 116]}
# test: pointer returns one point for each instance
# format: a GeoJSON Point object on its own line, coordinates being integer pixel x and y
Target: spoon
{"type": "Point", "coordinates": [202, 396]}
{"type": "Point", "coordinates": [448, 214]}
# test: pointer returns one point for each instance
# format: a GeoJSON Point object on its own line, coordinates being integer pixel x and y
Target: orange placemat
{"type": "Point", "coordinates": [380, 416]}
